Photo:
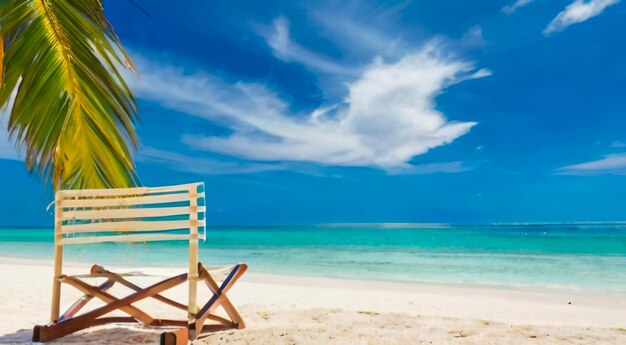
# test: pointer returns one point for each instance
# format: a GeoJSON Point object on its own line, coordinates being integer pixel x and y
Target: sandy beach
{"type": "Point", "coordinates": [305, 310]}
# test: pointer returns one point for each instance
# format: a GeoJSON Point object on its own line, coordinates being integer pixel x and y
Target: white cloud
{"type": "Point", "coordinates": [278, 38]}
{"type": "Point", "coordinates": [388, 117]}
{"type": "Point", "coordinates": [578, 12]}
{"type": "Point", "coordinates": [516, 5]}
{"type": "Point", "coordinates": [610, 164]}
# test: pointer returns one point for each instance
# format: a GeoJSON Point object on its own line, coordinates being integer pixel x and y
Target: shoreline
{"type": "Point", "coordinates": [352, 281]}
{"type": "Point", "coordinates": [297, 279]}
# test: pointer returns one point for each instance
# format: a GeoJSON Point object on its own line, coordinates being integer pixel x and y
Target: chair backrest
{"type": "Point", "coordinates": [130, 214]}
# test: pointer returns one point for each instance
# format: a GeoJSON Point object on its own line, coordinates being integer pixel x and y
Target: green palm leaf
{"type": "Point", "coordinates": [72, 110]}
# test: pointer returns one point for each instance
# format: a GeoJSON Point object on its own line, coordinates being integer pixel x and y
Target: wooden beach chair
{"type": "Point", "coordinates": [137, 215]}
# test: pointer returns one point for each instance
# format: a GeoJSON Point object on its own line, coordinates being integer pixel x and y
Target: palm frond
{"type": "Point", "coordinates": [72, 110]}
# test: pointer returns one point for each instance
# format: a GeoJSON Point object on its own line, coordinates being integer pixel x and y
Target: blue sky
{"type": "Point", "coordinates": [366, 111]}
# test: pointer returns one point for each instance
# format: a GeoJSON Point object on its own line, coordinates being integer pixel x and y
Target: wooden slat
{"type": "Point", "coordinates": [102, 192]}
{"type": "Point", "coordinates": [129, 213]}
{"type": "Point", "coordinates": [180, 187]}
{"type": "Point", "coordinates": [129, 226]}
{"type": "Point", "coordinates": [124, 191]}
{"type": "Point", "coordinates": [126, 238]}
{"type": "Point", "coordinates": [125, 201]}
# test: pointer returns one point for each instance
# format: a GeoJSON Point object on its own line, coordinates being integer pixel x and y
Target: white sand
{"type": "Point", "coordinates": [301, 310]}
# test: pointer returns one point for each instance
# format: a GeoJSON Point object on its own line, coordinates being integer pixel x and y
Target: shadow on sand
{"type": "Point", "coordinates": [110, 335]}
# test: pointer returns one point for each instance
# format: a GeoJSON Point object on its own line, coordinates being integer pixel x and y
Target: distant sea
{"type": "Point", "coordinates": [564, 256]}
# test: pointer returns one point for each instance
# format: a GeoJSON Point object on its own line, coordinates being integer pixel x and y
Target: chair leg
{"type": "Point", "coordinates": [219, 299]}
{"type": "Point", "coordinates": [37, 334]}
{"type": "Point", "coordinates": [44, 333]}
{"type": "Point", "coordinates": [177, 337]}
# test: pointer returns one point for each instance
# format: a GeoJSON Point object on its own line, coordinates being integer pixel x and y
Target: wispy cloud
{"type": "Point", "coordinates": [361, 28]}
{"type": "Point", "coordinates": [577, 12]}
{"type": "Point", "coordinates": [472, 38]}
{"type": "Point", "coordinates": [438, 167]}
{"type": "Point", "coordinates": [202, 165]}
{"type": "Point", "coordinates": [388, 117]}
{"type": "Point", "coordinates": [278, 37]}
{"type": "Point", "coordinates": [508, 9]}
{"type": "Point", "coordinates": [7, 148]}
{"type": "Point", "coordinates": [617, 144]}
{"type": "Point", "coordinates": [610, 164]}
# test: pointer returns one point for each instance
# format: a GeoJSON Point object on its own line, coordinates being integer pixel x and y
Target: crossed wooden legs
{"type": "Point", "coordinates": [190, 329]}
{"type": "Point", "coordinates": [196, 327]}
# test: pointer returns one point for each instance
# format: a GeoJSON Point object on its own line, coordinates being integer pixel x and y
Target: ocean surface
{"type": "Point", "coordinates": [564, 256]}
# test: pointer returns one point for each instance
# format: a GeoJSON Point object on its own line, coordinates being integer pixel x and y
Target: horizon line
{"type": "Point", "coordinates": [378, 224]}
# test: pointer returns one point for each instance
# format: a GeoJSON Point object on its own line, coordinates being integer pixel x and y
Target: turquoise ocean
{"type": "Point", "coordinates": [564, 256]}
